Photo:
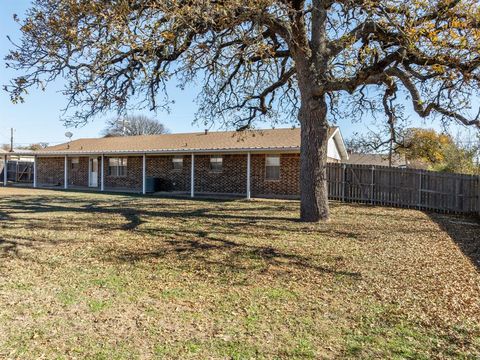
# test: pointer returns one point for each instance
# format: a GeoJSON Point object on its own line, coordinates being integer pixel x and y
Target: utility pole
{"type": "Point", "coordinates": [11, 139]}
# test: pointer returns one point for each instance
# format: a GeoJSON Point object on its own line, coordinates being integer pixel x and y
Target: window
{"type": "Point", "coordinates": [216, 163]}
{"type": "Point", "coordinates": [272, 167]}
{"type": "Point", "coordinates": [75, 163]}
{"type": "Point", "coordinates": [117, 167]}
{"type": "Point", "coordinates": [177, 162]}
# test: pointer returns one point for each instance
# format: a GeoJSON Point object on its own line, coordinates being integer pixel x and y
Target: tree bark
{"type": "Point", "coordinates": [313, 161]}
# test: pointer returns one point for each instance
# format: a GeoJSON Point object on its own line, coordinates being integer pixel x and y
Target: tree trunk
{"type": "Point", "coordinates": [312, 67]}
{"type": "Point", "coordinates": [313, 161]}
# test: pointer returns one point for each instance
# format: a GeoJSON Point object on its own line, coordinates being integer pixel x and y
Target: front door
{"type": "Point", "coordinates": [93, 172]}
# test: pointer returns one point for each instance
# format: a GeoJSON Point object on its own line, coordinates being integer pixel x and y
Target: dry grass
{"type": "Point", "coordinates": [119, 277]}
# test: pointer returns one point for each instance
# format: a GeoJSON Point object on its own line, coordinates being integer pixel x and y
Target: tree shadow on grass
{"type": "Point", "coordinates": [8, 248]}
{"type": "Point", "coordinates": [11, 246]}
{"type": "Point", "coordinates": [465, 231]}
{"type": "Point", "coordinates": [130, 211]}
{"type": "Point", "coordinates": [199, 249]}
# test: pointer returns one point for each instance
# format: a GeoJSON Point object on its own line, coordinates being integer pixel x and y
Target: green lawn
{"type": "Point", "coordinates": [123, 277]}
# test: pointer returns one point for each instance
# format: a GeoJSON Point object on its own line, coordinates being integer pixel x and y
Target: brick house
{"type": "Point", "coordinates": [261, 163]}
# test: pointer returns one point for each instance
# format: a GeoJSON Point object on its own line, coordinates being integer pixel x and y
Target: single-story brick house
{"type": "Point", "coordinates": [262, 163]}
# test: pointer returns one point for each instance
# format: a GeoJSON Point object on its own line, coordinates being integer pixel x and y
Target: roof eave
{"type": "Point", "coordinates": [338, 138]}
{"type": "Point", "coordinates": [162, 151]}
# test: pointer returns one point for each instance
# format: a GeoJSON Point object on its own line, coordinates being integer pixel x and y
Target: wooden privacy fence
{"type": "Point", "coordinates": [19, 171]}
{"type": "Point", "coordinates": [411, 188]}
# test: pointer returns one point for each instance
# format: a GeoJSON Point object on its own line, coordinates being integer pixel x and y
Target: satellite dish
{"type": "Point", "coordinates": [69, 135]}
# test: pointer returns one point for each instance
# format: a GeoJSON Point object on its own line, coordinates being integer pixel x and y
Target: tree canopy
{"type": "Point", "coordinates": [259, 59]}
{"type": "Point", "coordinates": [114, 51]}
{"type": "Point", "coordinates": [134, 125]}
{"type": "Point", "coordinates": [425, 145]}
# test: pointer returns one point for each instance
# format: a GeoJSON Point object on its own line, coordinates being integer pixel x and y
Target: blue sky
{"type": "Point", "coordinates": [38, 119]}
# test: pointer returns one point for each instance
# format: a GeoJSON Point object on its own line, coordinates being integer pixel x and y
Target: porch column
{"type": "Point", "coordinates": [35, 171]}
{"type": "Point", "coordinates": [65, 173]}
{"type": "Point", "coordinates": [144, 175]}
{"type": "Point", "coordinates": [5, 176]}
{"type": "Point", "coordinates": [248, 177]}
{"type": "Point", "coordinates": [192, 177]}
{"type": "Point", "coordinates": [102, 176]}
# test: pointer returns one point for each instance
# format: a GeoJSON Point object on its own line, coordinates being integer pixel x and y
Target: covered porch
{"type": "Point", "coordinates": [131, 173]}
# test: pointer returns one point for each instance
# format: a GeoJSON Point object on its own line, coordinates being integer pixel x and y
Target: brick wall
{"type": "Point", "coordinates": [289, 182]}
{"type": "Point", "coordinates": [133, 179]}
{"type": "Point", "coordinates": [162, 167]}
{"type": "Point", "coordinates": [50, 171]}
{"type": "Point", "coordinates": [78, 176]}
{"type": "Point", "coordinates": [231, 180]}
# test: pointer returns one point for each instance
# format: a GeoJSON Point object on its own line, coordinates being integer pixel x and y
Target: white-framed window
{"type": "Point", "coordinates": [177, 162]}
{"type": "Point", "coordinates": [272, 167]}
{"type": "Point", "coordinates": [216, 163]}
{"type": "Point", "coordinates": [74, 163]}
{"type": "Point", "coordinates": [117, 167]}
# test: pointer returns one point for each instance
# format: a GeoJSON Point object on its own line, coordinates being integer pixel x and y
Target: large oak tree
{"type": "Point", "coordinates": [258, 59]}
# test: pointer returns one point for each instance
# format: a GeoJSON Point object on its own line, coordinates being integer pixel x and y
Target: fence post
{"type": "Point", "coordinates": [372, 189]}
{"type": "Point", "coordinates": [457, 193]}
{"type": "Point", "coordinates": [478, 196]}
{"type": "Point", "coordinates": [344, 181]}
{"type": "Point", "coordinates": [419, 203]}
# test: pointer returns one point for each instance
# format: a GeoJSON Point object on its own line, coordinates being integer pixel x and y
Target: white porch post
{"type": "Point", "coordinates": [144, 175]}
{"type": "Point", "coordinates": [248, 177]}
{"type": "Point", "coordinates": [192, 177]}
{"type": "Point", "coordinates": [102, 175]}
{"type": "Point", "coordinates": [5, 175]}
{"type": "Point", "coordinates": [65, 173]}
{"type": "Point", "coordinates": [35, 171]}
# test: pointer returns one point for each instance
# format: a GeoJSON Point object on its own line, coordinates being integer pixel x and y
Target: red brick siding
{"type": "Point", "coordinates": [133, 179]}
{"type": "Point", "coordinates": [50, 170]}
{"type": "Point", "coordinates": [162, 167]}
{"type": "Point", "coordinates": [231, 180]}
{"type": "Point", "coordinates": [289, 183]}
{"type": "Point", "coordinates": [79, 175]}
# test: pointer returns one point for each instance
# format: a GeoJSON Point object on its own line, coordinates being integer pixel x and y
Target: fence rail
{"type": "Point", "coordinates": [411, 188]}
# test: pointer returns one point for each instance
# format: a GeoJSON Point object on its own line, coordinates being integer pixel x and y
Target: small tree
{"type": "Point", "coordinates": [5, 147]}
{"type": "Point", "coordinates": [425, 145]}
{"type": "Point", "coordinates": [34, 146]}
{"type": "Point", "coordinates": [258, 59]}
{"type": "Point", "coordinates": [457, 159]}
{"type": "Point", "coordinates": [134, 125]}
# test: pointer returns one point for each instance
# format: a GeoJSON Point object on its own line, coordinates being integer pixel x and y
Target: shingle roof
{"type": "Point", "coordinates": [211, 141]}
{"type": "Point", "coordinates": [375, 159]}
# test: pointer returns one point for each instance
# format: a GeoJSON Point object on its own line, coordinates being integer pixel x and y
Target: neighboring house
{"type": "Point", "coordinates": [21, 155]}
{"type": "Point", "coordinates": [376, 160]}
{"type": "Point", "coordinates": [252, 163]}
